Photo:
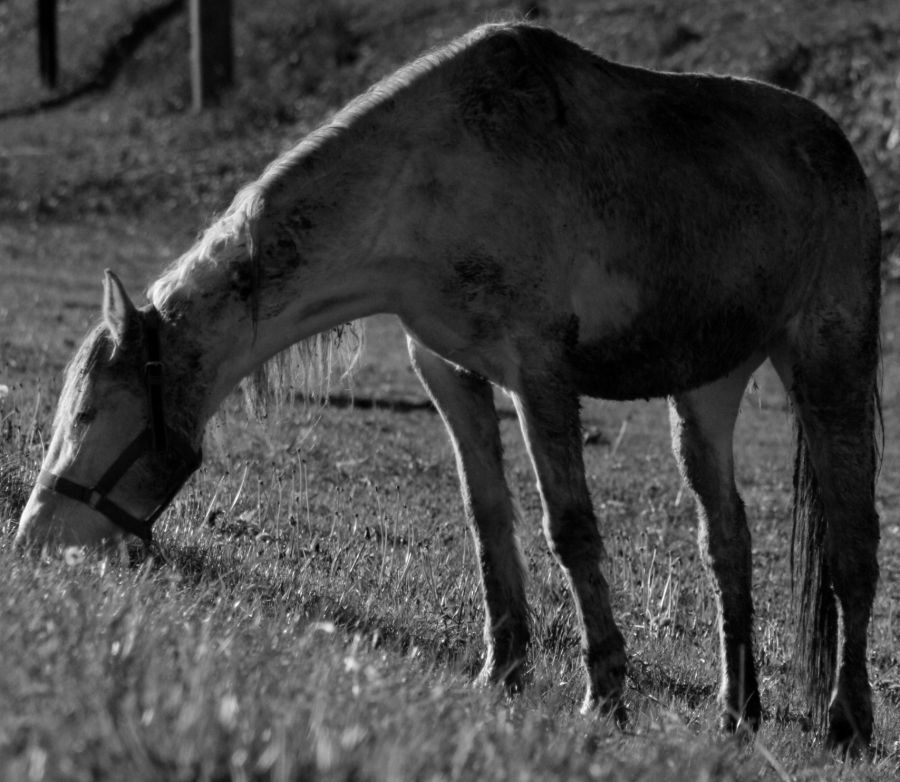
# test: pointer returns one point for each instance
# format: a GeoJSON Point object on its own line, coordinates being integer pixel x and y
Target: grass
{"type": "Point", "coordinates": [313, 609]}
{"type": "Point", "coordinates": [318, 617]}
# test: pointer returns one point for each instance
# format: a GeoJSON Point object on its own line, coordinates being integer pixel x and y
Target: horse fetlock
{"type": "Point", "coordinates": [740, 711]}
{"type": "Point", "coordinates": [510, 673]}
{"type": "Point", "coordinates": [739, 694]}
{"type": "Point", "coordinates": [507, 645]}
{"type": "Point", "coordinates": [844, 740]}
{"type": "Point", "coordinates": [606, 665]}
{"type": "Point", "coordinates": [507, 638]}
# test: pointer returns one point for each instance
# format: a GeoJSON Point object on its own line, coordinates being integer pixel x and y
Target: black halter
{"type": "Point", "coordinates": [156, 437]}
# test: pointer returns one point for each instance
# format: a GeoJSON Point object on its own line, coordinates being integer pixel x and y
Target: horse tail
{"type": "Point", "coordinates": [818, 614]}
{"type": "Point", "coordinates": [818, 621]}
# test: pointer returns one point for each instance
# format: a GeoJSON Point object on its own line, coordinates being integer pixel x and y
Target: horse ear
{"type": "Point", "coordinates": [119, 313]}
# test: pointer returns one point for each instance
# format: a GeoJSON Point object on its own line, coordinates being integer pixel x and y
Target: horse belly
{"type": "Point", "coordinates": [654, 357]}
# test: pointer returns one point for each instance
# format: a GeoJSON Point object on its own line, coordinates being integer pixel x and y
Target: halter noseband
{"type": "Point", "coordinates": [156, 437]}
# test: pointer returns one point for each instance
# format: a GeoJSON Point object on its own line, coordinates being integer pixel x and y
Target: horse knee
{"type": "Point", "coordinates": [724, 537]}
{"type": "Point", "coordinates": [573, 536]}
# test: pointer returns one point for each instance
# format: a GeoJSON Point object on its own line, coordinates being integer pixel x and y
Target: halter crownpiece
{"type": "Point", "coordinates": [157, 437]}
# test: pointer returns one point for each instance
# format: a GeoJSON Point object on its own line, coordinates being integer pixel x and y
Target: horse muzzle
{"type": "Point", "coordinates": [50, 519]}
{"type": "Point", "coordinates": [96, 496]}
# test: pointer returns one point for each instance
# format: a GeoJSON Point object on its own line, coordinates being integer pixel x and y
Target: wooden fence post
{"type": "Point", "coordinates": [212, 51]}
{"type": "Point", "coordinates": [46, 24]}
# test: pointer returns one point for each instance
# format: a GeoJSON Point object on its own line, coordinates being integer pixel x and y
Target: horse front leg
{"type": "Point", "coordinates": [466, 404]}
{"type": "Point", "coordinates": [548, 410]}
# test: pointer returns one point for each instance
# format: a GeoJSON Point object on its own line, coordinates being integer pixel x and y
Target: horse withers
{"type": "Point", "coordinates": [557, 225]}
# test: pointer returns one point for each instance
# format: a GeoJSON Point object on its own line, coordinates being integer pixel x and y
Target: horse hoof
{"type": "Point", "coordinates": [609, 707]}
{"type": "Point", "coordinates": [514, 683]}
{"type": "Point", "coordinates": [847, 736]}
{"type": "Point", "coordinates": [844, 741]}
{"type": "Point", "coordinates": [511, 676]}
{"type": "Point", "coordinates": [732, 721]}
{"type": "Point", "coordinates": [619, 714]}
{"type": "Point", "coordinates": [742, 729]}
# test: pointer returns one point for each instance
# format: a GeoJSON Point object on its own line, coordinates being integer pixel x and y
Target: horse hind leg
{"type": "Point", "coordinates": [702, 424]}
{"type": "Point", "coordinates": [829, 366]}
{"type": "Point", "coordinates": [466, 404]}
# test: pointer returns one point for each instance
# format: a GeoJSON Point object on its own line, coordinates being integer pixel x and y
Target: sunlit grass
{"type": "Point", "coordinates": [312, 609]}
{"type": "Point", "coordinates": [297, 621]}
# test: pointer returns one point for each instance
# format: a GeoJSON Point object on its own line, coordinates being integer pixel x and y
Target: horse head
{"type": "Point", "coordinates": [114, 460]}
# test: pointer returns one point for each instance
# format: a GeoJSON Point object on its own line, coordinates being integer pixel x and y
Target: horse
{"type": "Point", "coordinates": [558, 225]}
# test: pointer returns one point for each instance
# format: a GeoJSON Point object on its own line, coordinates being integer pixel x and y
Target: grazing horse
{"type": "Point", "coordinates": [557, 225]}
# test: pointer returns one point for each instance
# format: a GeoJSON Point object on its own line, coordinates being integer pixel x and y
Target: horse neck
{"type": "Point", "coordinates": [309, 249]}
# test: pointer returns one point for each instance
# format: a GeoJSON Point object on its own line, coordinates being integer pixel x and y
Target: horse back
{"type": "Point", "coordinates": [671, 224]}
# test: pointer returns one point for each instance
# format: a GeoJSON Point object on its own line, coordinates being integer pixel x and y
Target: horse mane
{"type": "Point", "coordinates": [306, 368]}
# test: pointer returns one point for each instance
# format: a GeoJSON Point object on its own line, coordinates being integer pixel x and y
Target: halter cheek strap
{"type": "Point", "coordinates": [157, 438]}
{"type": "Point", "coordinates": [95, 497]}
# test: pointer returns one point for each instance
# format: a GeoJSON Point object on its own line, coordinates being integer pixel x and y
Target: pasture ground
{"type": "Point", "coordinates": [313, 611]}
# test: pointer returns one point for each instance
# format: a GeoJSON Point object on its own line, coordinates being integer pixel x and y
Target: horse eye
{"type": "Point", "coordinates": [85, 416]}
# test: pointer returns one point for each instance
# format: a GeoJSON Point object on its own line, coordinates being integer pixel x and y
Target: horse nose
{"type": "Point", "coordinates": [36, 524]}
{"type": "Point", "coordinates": [30, 524]}
{"type": "Point", "coordinates": [51, 519]}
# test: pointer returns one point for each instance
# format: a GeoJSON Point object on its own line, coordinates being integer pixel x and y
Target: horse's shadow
{"type": "Point", "coordinates": [195, 564]}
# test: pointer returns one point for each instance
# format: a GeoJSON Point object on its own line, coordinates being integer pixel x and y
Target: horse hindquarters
{"type": "Point", "coordinates": [829, 363]}
{"type": "Point", "coordinates": [466, 404]}
{"type": "Point", "coordinates": [702, 429]}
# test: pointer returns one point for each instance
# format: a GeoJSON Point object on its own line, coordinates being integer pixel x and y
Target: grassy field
{"type": "Point", "coordinates": [313, 608]}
